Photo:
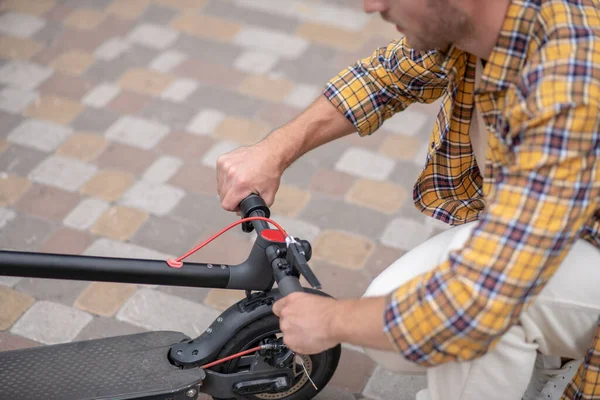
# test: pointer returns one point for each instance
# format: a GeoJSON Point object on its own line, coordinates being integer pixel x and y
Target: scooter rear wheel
{"type": "Point", "coordinates": [320, 367]}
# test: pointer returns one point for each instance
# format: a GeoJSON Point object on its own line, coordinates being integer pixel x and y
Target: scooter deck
{"type": "Point", "coordinates": [122, 367]}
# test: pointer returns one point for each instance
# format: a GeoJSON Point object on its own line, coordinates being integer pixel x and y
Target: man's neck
{"type": "Point", "coordinates": [489, 17]}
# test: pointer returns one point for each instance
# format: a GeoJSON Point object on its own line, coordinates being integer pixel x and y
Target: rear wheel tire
{"type": "Point", "coordinates": [321, 367]}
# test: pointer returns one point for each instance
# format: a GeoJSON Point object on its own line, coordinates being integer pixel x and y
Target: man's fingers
{"type": "Point", "coordinates": [278, 306]}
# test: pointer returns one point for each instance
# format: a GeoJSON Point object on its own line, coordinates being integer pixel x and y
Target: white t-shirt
{"type": "Point", "coordinates": [477, 131]}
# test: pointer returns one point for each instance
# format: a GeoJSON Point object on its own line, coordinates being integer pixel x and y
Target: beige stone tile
{"type": "Point", "coordinates": [222, 299]}
{"type": "Point", "coordinates": [343, 249]}
{"type": "Point", "coordinates": [3, 145]}
{"type": "Point", "coordinates": [382, 196]}
{"type": "Point", "coordinates": [12, 48]}
{"type": "Point", "coordinates": [74, 62]}
{"type": "Point", "coordinates": [182, 4]}
{"type": "Point", "coordinates": [83, 146]}
{"type": "Point", "coordinates": [128, 9]}
{"type": "Point", "coordinates": [37, 7]}
{"type": "Point", "coordinates": [53, 108]}
{"type": "Point", "coordinates": [266, 88]}
{"type": "Point", "coordinates": [108, 185]}
{"type": "Point", "coordinates": [207, 27]}
{"type": "Point", "coordinates": [119, 223]}
{"type": "Point", "coordinates": [381, 28]}
{"type": "Point", "coordinates": [12, 305]}
{"type": "Point", "coordinates": [400, 147]}
{"type": "Point", "coordinates": [84, 19]}
{"type": "Point", "coordinates": [337, 38]}
{"type": "Point", "coordinates": [241, 130]}
{"type": "Point", "coordinates": [104, 298]}
{"type": "Point", "coordinates": [12, 188]}
{"type": "Point", "coordinates": [289, 201]}
{"type": "Point", "coordinates": [144, 81]}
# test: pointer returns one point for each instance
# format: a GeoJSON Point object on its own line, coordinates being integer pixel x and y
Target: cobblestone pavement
{"type": "Point", "coordinates": [112, 114]}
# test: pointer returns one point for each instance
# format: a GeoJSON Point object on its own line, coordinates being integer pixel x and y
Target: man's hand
{"type": "Point", "coordinates": [307, 322]}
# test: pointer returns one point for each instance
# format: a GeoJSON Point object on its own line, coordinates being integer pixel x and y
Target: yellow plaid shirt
{"type": "Point", "coordinates": [539, 98]}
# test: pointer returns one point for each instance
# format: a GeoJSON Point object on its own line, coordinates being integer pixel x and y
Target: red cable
{"type": "Point", "coordinates": [177, 263]}
{"type": "Point", "coordinates": [240, 354]}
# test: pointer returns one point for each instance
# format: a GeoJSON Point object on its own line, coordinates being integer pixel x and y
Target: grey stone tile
{"type": "Point", "coordinates": [202, 49]}
{"type": "Point", "coordinates": [300, 172]}
{"type": "Point", "coordinates": [202, 211]}
{"type": "Point", "coordinates": [49, 34]}
{"type": "Point", "coordinates": [97, 4]}
{"type": "Point", "coordinates": [102, 327]}
{"type": "Point", "coordinates": [336, 214]}
{"type": "Point", "coordinates": [226, 101]}
{"type": "Point", "coordinates": [166, 235]}
{"type": "Point", "coordinates": [175, 116]}
{"type": "Point", "coordinates": [385, 385]}
{"type": "Point", "coordinates": [189, 293]}
{"type": "Point", "coordinates": [157, 15]}
{"type": "Point", "coordinates": [107, 71]}
{"type": "Point", "coordinates": [8, 122]}
{"type": "Point", "coordinates": [94, 120]}
{"type": "Point", "coordinates": [316, 66]}
{"type": "Point", "coordinates": [20, 160]}
{"type": "Point", "coordinates": [224, 9]}
{"type": "Point", "coordinates": [331, 393]}
{"type": "Point", "coordinates": [25, 233]}
{"type": "Point", "coordinates": [56, 290]}
{"type": "Point", "coordinates": [405, 173]}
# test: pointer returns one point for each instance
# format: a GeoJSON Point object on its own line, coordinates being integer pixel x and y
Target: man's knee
{"type": "Point", "coordinates": [394, 362]}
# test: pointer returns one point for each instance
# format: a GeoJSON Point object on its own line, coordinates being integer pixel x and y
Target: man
{"type": "Point", "coordinates": [514, 163]}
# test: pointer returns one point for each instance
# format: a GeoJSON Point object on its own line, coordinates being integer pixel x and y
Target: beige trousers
{"type": "Point", "coordinates": [560, 322]}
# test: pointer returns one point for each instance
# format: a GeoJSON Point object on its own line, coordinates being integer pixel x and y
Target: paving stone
{"type": "Point", "coordinates": [369, 142]}
{"type": "Point", "coordinates": [118, 27]}
{"type": "Point", "coordinates": [220, 148]}
{"type": "Point", "coordinates": [157, 15]}
{"type": "Point", "coordinates": [365, 164]}
{"type": "Point", "coordinates": [101, 95]}
{"type": "Point", "coordinates": [12, 48]}
{"type": "Point", "coordinates": [35, 8]}
{"type": "Point", "coordinates": [331, 36]}
{"type": "Point", "coordinates": [55, 109]}
{"type": "Point", "coordinates": [222, 299]}
{"type": "Point", "coordinates": [303, 95]}
{"type": "Point", "coordinates": [104, 298]}
{"type": "Point", "coordinates": [198, 48]}
{"type": "Point", "coordinates": [255, 61]}
{"type": "Point", "coordinates": [119, 223]}
{"type": "Point", "coordinates": [185, 146]}
{"type": "Point", "coordinates": [353, 372]}
{"type": "Point", "coordinates": [340, 282]}
{"type": "Point", "coordinates": [400, 147]}
{"type": "Point", "coordinates": [385, 385]}
{"type": "Point", "coordinates": [405, 234]}
{"type": "Point", "coordinates": [343, 249]}
{"type": "Point", "coordinates": [25, 233]}
{"type": "Point", "coordinates": [15, 101]}
{"type": "Point", "coordinates": [200, 211]}
{"type": "Point", "coordinates": [56, 290]}
{"type": "Point", "coordinates": [206, 27]}
{"type": "Point", "coordinates": [290, 201]}
{"type": "Point", "coordinates": [19, 24]}
{"type": "Point", "coordinates": [128, 102]}
{"type": "Point", "coordinates": [182, 5]}
{"type": "Point", "coordinates": [330, 393]}
{"type": "Point", "coordinates": [108, 185]}
{"type": "Point", "coordinates": [13, 187]}
{"type": "Point", "coordinates": [195, 178]}
{"type": "Point", "coordinates": [272, 41]}
{"type": "Point", "coordinates": [6, 215]}
{"type": "Point", "coordinates": [85, 214]}
{"type": "Point", "coordinates": [382, 196]}
{"type": "Point", "coordinates": [158, 199]}
{"type": "Point", "coordinates": [175, 116]}
{"type": "Point", "coordinates": [213, 75]}
{"type": "Point", "coordinates": [166, 235]}
{"type": "Point", "coordinates": [232, 249]}
{"type": "Point", "coordinates": [152, 35]}
{"type": "Point", "coordinates": [159, 311]}
{"type": "Point", "coordinates": [145, 81]}
{"type": "Point", "coordinates": [266, 88]}
{"type": "Point", "coordinates": [205, 122]}
{"type": "Point", "coordinates": [226, 101]}
{"type": "Point", "coordinates": [82, 146]}
{"type": "Point", "coordinates": [12, 305]}
{"type": "Point", "coordinates": [9, 281]}
{"type": "Point", "coordinates": [318, 66]}
{"type": "Point", "coordinates": [9, 342]}
{"type": "Point", "coordinates": [67, 241]}
{"type": "Point", "coordinates": [407, 123]}
{"type": "Point", "coordinates": [9, 122]}
{"type": "Point", "coordinates": [297, 227]}
{"type": "Point", "coordinates": [63, 85]}
{"type": "Point", "coordinates": [74, 62]}
{"type": "Point", "coordinates": [131, 9]}
{"type": "Point", "coordinates": [241, 130]}
{"type": "Point", "coordinates": [125, 158]}
{"type": "Point", "coordinates": [41, 135]}
{"type": "Point", "coordinates": [137, 132]}
{"type": "Point", "coordinates": [47, 202]}
{"type": "Point", "coordinates": [166, 61]}
{"type": "Point", "coordinates": [103, 327]}
{"type": "Point", "coordinates": [83, 19]}
{"type": "Point", "coordinates": [333, 183]}
{"type": "Point", "coordinates": [180, 90]}
{"type": "Point", "coordinates": [112, 49]}
{"type": "Point", "coordinates": [381, 258]}
{"type": "Point", "coordinates": [162, 169]}
{"type": "Point", "coordinates": [194, 294]}
{"type": "Point", "coordinates": [277, 114]}
{"type": "Point", "coordinates": [94, 120]}
{"type": "Point", "coordinates": [405, 173]}
{"type": "Point", "coordinates": [64, 173]}
{"type": "Point", "coordinates": [111, 248]}
{"type": "Point", "coordinates": [339, 215]}
{"type": "Point", "coordinates": [249, 16]}
{"type": "Point", "coordinates": [51, 323]}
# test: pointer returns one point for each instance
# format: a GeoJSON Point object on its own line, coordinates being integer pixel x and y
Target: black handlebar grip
{"type": "Point", "coordinates": [254, 205]}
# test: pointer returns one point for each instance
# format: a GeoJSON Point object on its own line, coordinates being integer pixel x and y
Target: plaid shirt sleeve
{"type": "Point", "coordinates": [377, 87]}
{"type": "Point", "coordinates": [544, 191]}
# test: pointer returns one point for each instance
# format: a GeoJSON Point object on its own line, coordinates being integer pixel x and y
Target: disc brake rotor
{"type": "Point", "coordinates": [299, 374]}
